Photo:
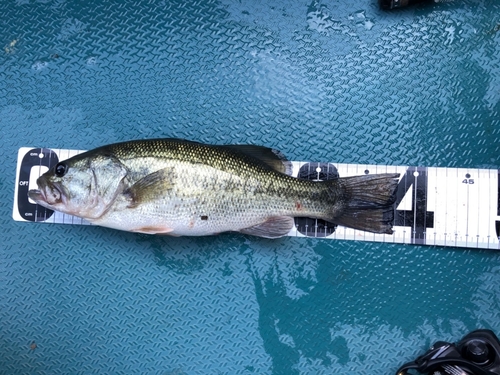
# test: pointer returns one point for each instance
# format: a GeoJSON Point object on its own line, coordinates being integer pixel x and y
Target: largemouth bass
{"type": "Point", "coordinates": [183, 188]}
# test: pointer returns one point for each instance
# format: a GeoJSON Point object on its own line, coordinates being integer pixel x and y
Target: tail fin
{"type": "Point", "coordinates": [369, 202]}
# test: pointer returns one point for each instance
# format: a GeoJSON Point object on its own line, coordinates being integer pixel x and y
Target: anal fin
{"type": "Point", "coordinates": [157, 229]}
{"type": "Point", "coordinates": [273, 227]}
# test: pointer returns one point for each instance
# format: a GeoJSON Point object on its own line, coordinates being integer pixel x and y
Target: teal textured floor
{"type": "Point", "coordinates": [319, 80]}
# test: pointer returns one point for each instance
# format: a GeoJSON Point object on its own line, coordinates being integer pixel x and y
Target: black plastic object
{"type": "Point", "coordinates": [37, 157]}
{"type": "Point", "coordinates": [392, 4]}
{"type": "Point", "coordinates": [478, 353]}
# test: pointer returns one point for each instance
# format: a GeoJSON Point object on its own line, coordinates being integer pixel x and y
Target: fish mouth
{"type": "Point", "coordinates": [47, 194]}
{"type": "Point", "coordinates": [37, 195]}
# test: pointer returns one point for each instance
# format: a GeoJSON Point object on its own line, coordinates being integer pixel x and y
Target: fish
{"type": "Point", "coordinates": [184, 188]}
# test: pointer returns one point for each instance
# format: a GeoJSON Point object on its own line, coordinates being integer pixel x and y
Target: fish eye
{"type": "Point", "coordinates": [61, 169]}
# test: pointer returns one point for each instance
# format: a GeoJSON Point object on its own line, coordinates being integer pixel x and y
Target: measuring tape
{"type": "Point", "coordinates": [434, 206]}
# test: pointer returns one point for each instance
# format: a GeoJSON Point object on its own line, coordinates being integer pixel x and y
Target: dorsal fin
{"type": "Point", "coordinates": [270, 157]}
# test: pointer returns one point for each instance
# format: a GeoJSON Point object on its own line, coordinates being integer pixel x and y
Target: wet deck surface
{"type": "Point", "coordinates": [320, 81]}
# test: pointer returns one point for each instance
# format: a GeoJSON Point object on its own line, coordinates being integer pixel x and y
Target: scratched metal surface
{"type": "Point", "coordinates": [320, 80]}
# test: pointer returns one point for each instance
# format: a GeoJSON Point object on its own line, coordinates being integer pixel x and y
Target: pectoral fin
{"type": "Point", "coordinates": [273, 227]}
{"type": "Point", "coordinates": [149, 188]}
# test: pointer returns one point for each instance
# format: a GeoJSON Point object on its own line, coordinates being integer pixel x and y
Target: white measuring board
{"type": "Point", "coordinates": [456, 207]}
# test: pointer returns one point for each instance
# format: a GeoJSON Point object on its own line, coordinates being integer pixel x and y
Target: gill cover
{"type": "Point", "coordinates": [88, 184]}
{"type": "Point", "coordinates": [108, 175]}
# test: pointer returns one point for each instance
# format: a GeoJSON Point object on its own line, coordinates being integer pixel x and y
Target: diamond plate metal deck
{"type": "Point", "coordinates": [318, 80]}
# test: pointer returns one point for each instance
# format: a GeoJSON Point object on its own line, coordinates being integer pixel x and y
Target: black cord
{"type": "Point", "coordinates": [436, 364]}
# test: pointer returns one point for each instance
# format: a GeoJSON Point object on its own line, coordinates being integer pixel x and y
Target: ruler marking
{"type": "Point", "coordinates": [404, 212]}
{"type": "Point", "coordinates": [423, 203]}
{"type": "Point", "coordinates": [39, 172]}
{"type": "Point", "coordinates": [379, 237]}
{"type": "Point", "coordinates": [385, 236]}
{"type": "Point", "coordinates": [462, 209]}
{"type": "Point", "coordinates": [403, 182]}
{"type": "Point", "coordinates": [337, 166]}
{"type": "Point", "coordinates": [395, 232]}
{"type": "Point", "coordinates": [39, 167]}
{"type": "Point", "coordinates": [432, 204]}
{"type": "Point", "coordinates": [463, 181]}
{"type": "Point", "coordinates": [402, 219]}
{"type": "Point", "coordinates": [498, 197]}
{"type": "Point", "coordinates": [445, 213]}
{"type": "Point", "coordinates": [425, 211]}
{"type": "Point", "coordinates": [489, 208]}
{"type": "Point", "coordinates": [417, 218]}
{"type": "Point", "coordinates": [435, 207]}
{"type": "Point", "coordinates": [456, 206]}
{"type": "Point", "coordinates": [430, 237]}
{"type": "Point", "coordinates": [456, 212]}
{"type": "Point", "coordinates": [415, 189]}
{"type": "Point", "coordinates": [481, 184]}
{"type": "Point", "coordinates": [497, 222]}
{"type": "Point", "coordinates": [491, 235]}
{"type": "Point", "coordinates": [446, 217]}
{"type": "Point", "coordinates": [480, 209]}
{"type": "Point", "coordinates": [467, 213]}
{"type": "Point", "coordinates": [359, 173]}
{"type": "Point", "coordinates": [39, 151]}
{"type": "Point", "coordinates": [424, 218]}
{"type": "Point", "coordinates": [474, 203]}
{"type": "Point", "coordinates": [492, 214]}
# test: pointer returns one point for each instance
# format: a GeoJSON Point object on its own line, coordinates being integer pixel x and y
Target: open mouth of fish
{"type": "Point", "coordinates": [46, 194]}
